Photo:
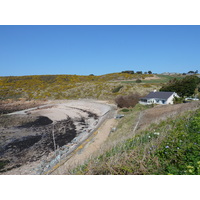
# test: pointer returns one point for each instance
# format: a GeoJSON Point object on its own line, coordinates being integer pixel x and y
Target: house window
{"type": "Point", "coordinates": [143, 100]}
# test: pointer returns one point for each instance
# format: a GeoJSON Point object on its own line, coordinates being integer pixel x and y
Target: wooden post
{"type": "Point", "coordinates": [54, 142]}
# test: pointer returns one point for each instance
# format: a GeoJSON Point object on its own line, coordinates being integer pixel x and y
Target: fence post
{"type": "Point", "coordinates": [54, 142]}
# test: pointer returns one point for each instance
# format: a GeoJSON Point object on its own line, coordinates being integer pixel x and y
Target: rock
{"type": "Point", "coordinates": [119, 116]}
{"type": "Point", "coordinates": [113, 129]}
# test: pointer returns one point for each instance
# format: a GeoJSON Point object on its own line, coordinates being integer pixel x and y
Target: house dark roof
{"type": "Point", "coordinates": [158, 95]}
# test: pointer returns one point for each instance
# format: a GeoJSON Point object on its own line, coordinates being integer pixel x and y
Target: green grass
{"type": "Point", "coordinates": [163, 79]}
{"type": "Point", "coordinates": [125, 110]}
{"type": "Point", "coordinates": [117, 89]}
{"type": "Point", "coordinates": [170, 147]}
{"type": "Point", "coordinates": [3, 163]}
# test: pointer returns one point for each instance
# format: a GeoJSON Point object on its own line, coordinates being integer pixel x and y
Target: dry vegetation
{"type": "Point", "coordinates": [127, 100]}
{"type": "Point", "coordinates": [70, 86]}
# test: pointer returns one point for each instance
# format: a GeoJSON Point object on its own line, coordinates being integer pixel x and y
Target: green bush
{"type": "Point", "coordinates": [117, 89]}
{"type": "Point", "coordinates": [3, 163]}
{"type": "Point", "coordinates": [125, 110]}
{"type": "Point", "coordinates": [183, 87]}
{"type": "Point", "coordinates": [138, 81]}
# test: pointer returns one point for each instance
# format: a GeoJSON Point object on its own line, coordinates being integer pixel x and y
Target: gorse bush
{"type": "Point", "coordinates": [62, 86]}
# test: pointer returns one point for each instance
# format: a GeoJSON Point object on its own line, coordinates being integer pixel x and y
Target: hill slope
{"type": "Point", "coordinates": [74, 86]}
{"type": "Point", "coordinates": [166, 142]}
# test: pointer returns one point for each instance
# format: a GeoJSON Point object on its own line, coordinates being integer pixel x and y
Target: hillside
{"type": "Point", "coordinates": [105, 87]}
{"type": "Point", "coordinates": [165, 141]}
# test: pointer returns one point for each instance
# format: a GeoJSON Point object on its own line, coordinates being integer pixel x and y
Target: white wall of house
{"type": "Point", "coordinates": [171, 98]}
{"type": "Point", "coordinates": [148, 102]}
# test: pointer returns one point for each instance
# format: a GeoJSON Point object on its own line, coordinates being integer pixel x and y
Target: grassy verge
{"type": "Point", "coordinates": [170, 147]}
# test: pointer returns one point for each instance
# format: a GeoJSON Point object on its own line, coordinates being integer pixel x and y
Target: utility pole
{"type": "Point", "coordinates": [54, 142]}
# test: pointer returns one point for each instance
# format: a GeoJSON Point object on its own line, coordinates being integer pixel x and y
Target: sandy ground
{"type": "Point", "coordinates": [58, 110]}
{"type": "Point", "coordinates": [91, 111]}
{"type": "Point", "coordinates": [89, 149]}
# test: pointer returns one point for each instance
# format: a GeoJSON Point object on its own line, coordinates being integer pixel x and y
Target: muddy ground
{"type": "Point", "coordinates": [31, 135]}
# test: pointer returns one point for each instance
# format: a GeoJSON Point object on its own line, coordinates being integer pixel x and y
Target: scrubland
{"type": "Point", "coordinates": [71, 86]}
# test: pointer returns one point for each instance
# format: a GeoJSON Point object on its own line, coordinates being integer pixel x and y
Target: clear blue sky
{"type": "Point", "coordinates": [84, 50]}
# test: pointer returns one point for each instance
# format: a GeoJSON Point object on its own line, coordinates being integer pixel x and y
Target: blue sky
{"type": "Point", "coordinates": [84, 50]}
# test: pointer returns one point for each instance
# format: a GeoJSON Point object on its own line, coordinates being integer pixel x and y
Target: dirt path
{"type": "Point", "coordinates": [89, 148]}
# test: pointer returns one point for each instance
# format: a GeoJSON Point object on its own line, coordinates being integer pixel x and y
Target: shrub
{"type": "Point", "coordinates": [138, 81]}
{"type": "Point", "coordinates": [127, 100]}
{"type": "Point", "coordinates": [183, 87]}
{"type": "Point", "coordinates": [178, 100]}
{"type": "Point", "coordinates": [117, 89]}
{"type": "Point", "coordinates": [128, 72]}
{"type": "Point", "coordinates": [125, 110]}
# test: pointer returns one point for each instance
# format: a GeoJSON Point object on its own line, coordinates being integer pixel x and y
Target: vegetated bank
{"type": "Point", "coordinates": [105, 87]}
{"type": "Point", "coordinates": [167, 141]}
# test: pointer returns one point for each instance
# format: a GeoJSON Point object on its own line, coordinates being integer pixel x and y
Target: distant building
{"type": "Point", "coordinates": [158, 98]}
{"type": "Point", "coordinates": [191, 73]}
{"type": "Point", "coordinates": [165, 73]}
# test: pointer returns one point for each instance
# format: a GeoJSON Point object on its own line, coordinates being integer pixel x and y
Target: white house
{"type": "Point", "coordinates": [158, 98]}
